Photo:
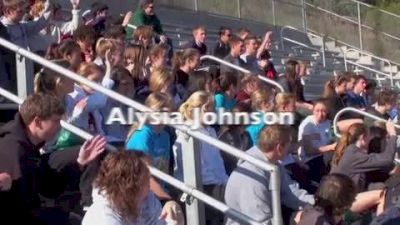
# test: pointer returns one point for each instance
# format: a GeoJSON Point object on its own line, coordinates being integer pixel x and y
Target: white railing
{"type": "Point", "coordinates": [283, 39]}
{"type": "Point", "coordinates": [155, 172]}
{"type": "Point", "coordinates": [241, 69]}
{"type": "Point", "coordinates": [358, 111]}
{"type": "Point", "coordinates": [193, 216]}
{"type": "Point", "coordinates": [390, 75]}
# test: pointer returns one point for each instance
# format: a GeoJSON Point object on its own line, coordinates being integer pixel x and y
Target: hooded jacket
{"type": "Point", "coordinates": [21, 159]}
{"type": "Point", "coordinates": [248, 190]}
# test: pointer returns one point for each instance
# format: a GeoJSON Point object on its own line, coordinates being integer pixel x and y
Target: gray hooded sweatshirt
{"type": "Point", "coordinates": [248, 190]}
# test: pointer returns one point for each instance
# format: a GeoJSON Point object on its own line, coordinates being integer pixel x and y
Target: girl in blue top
{"type": "Point", "coordinates": [228, 84]}
{"type": "Point", "coordinates": [153, 141]}
{"type": "Point", "coordinates": [262, 101]}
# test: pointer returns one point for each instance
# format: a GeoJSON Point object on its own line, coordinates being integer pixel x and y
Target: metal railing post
{"type": "Point", "coordinates": [323, 51]}
{"type": "Point", "coordinates": [24, 76]}
{"type": "Point", "coordinates": [304, 15]}
{"type": "Point", "coordinates": [196, 5]}
{"type": "Point", "coordinates": [239, 9]}
{"type": "Point", "coordinates": [359, 26]}
{"type": "Point", "coordinates": [273, 13]}
{"type": "Point", "coordinates": [192, 177]}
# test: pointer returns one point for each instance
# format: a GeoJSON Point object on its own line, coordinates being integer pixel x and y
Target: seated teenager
{"type": "Point", "coordinates": [37, 122]}
{"type": "Point", "coordinates": [213, 172]}
{"type": "Point", "coordinates": [355, 96]}
{"type": "Point", "coordinates": [225, 98]}
{"type": "Point", "coordinates": [249, 84]}
{"type": "Point", "coordinates": [385, 102]}
{"type": "Point", "coordinates": [317, 129]}
{"type": "Point", "coordinates": [334, 197]}
{"type": "Point", "coordinates": [122, 195]}
{"type": "Point", "coordinates": [154, 141]}
{"type": "Point", "coordinates": [291, 83]}
{"type": "Point", "coordinates": [335, 93]}
{"type": "Point", "coordinates": [352, 158]}
{"type": "Point", "coordinates": [248, 187]}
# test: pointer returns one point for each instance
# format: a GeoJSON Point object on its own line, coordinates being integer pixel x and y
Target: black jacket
{"type": "Point", "coordinates": [21, 159]}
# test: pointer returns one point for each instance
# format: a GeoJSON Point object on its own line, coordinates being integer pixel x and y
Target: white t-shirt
{"type": "Point", "coordinates": [309, 126]}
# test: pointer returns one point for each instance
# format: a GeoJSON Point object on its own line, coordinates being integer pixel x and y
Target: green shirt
{"type": "Point", "coordinates": [140, 18]}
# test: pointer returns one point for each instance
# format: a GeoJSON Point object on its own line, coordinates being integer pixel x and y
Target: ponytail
{"type": "Point", "coordinates": [348, 138]}
{"type": "Point", "coordinates": [329, 89]}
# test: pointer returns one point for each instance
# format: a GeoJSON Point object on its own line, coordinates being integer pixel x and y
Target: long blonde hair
{"type": "Point", "coordinates": [156, 101]}
{"type": "Point", "coordinates": [197, 100]}
{"type": "Point", "coordinates": [159, 79]}
{"type": "Point", "coordinates": [260, 97]}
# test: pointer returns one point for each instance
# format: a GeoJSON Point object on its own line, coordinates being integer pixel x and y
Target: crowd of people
{"type": "Point", "coordinates": [48, 175]}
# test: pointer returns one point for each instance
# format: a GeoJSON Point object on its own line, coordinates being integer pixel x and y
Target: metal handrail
{"type": "Point", "coordinates": [154, 171]}
{"type": "Point", "coordinates": [351, 109]}
{"type": "Point", "coordinates": [310, 31]}
{"type": "Point", "coordinates": [272, 168]}
{"type": "Point", "coordinates": [283, 39]}
{"type": "Point", "coordinates": [243, 70]}
{"type": "Point", "coordinates": [373, 56]}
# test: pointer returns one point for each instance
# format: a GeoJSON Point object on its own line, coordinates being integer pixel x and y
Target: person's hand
{"type": "Point", "coordinates": [172, 214]}
{"type": "Point", "coordinates": [91, 149]}
{"type": "Point", "coordinates": [127, 18]}
{"type": "Point", "coordinates": [390, 128]}
{"type": "Point", "coordinates": [5, 182]}
{"type": "Point", "coordinates": [297, 218]}
{"type": "Point", "coordinates": [75, 4]}
{"type": "Point", "coordinates": [163, 39]}
{"type": "Point", "coordinates": [109, 60]}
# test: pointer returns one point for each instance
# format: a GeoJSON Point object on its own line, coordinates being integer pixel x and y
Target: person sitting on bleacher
{"type": "Point", "coordinates": [385, 102]}
{"type": "Point", "coordinates": [355, 96]}
{"type": "Point", "coordinates": [249, 84]}
{"type": "Point", "coordinates": [335, 93]}
{"type": "Point", "coordinates": [37, 122]}
{"type": "Point", "coordinates": [58, 28]}
{"type": "Point", "coordinates": [225, 98]}
{"type": "Point", "coordinates": [121, 195]}
{"type": "Point", "coordinates": [316, 128]}
{"type": "Point", "coordinates": [154, 141]}
{"type": "Point", "coordinates": [352, 158]}
{"type": "Point", "coordinates": [248, 187]}
{"type": "Point", "coordinates": [99, 11]}
{"type": "Point", "coordinates": [85, 37]}
{"type": "Point", "coordinates": [249, 57]}
{"type": "Point", "coordinates": [186, 62]}
{"type": "Point", "coordinates": [236, 45]}
{"type": "Point", "coordinates": [21, 32]}
{"type": "Point", "coordinates": [291, 83]}
{"type": "Point", "coordinates": [145, 15]}
{"type": "Point", "coordinates": [199, 39]}
{"type": "Point", "coordinates": [222, 48]}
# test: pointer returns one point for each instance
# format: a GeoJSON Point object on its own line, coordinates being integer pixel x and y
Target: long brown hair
{"type": "Point", "coordinates": [335, 195]}
{"type": "Point", "coordinates": [122, 177]}
{"type": "Point", "coordinates": [330, 86]}
{"type": "Point", "coordinates": [348, 138]}
{"type": "Point", "coordinates": [292, 77]}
